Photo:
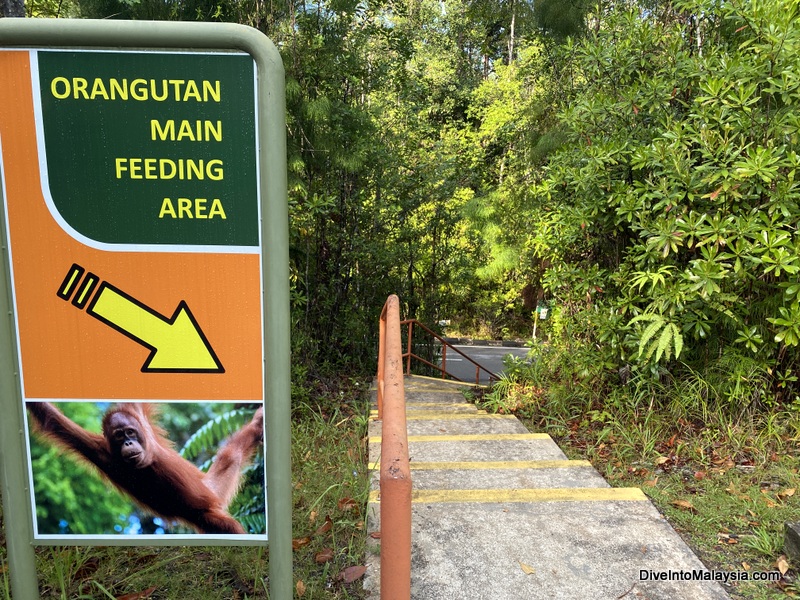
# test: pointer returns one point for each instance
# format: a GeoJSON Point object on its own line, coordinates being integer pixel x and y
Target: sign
{"type": "Point", "coordinates": [141, 210]}
{"type": "Point", "coordinates": [143, 213]}
{"type": "Point", "coordinates": [145, 264]}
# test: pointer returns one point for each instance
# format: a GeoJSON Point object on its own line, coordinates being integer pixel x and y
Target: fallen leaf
{"type": "Point", "coordinates": [351, 574]}
{"type": "Point", "coordinates": [325, 527]}
{"type": "Point", "coordinates": [527, 569]}
{"type": "Point", "coordinates": [88, 568]}
{"type": "Point", "coordinates": [700, 475]}
{"type": "Point", "coordinates": [300, 587]}
{"type": "Point", "coordinates": [347, 504]}
{"type": "Point", "coordinates": [787, 493]}
{"type": "Point", "coordinates": [138, 595]}
{"type": "Point", "coordinates": [662, 459]}
{"type": "Point", "coordinates": [746, 566]}
{"type": "Point", "coordinates": [651, 482]}
{"type": "Point", "coordinates": [312, 517]}
{"type": "Point", "coordinates": [782, 564]}
{"type": "Point", "coordinates": [375, 535]}
{"type": "Point", "coordinates": [684, 504]}
{"type": "Point", "coordinates": [298, 543]}
{"type": "Point", "coordinates": [770, 503]}
{"type": "Point", "coordinates": [324, 556]}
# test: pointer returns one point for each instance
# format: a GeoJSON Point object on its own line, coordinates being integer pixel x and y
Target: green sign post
{"type": "Point", "coordinates": [151, 155]}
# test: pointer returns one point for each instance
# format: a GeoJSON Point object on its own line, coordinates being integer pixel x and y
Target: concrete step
{"type": "Point", "coordinates": [543, 550]}
{"type": "Point", "coordinates": [500, 513]}
{"type": "Point", "coordinates": [514, 475]}
{"type": "Point", "coordinates": [477, 447]}
{"type": "Point", "coordinates": [431, 423]}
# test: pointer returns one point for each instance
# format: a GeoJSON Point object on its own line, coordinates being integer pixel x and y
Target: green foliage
{"type": "Point", "coordinates": [72, 498]}
{"type": "Point", "coordinates": [664, 230]}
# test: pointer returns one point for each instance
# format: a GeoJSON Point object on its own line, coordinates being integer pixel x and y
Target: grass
{"type": "Point", "coordinates": [330, 491]}
{"type": "Point", "coordinates": [727, 480]}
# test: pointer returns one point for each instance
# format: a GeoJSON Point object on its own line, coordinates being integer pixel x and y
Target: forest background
{"type": "Point", "coordinates": [631, 165]}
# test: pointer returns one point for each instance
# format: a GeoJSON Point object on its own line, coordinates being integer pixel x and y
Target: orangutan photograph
{"type": "Point", "coordinates": [135, 468]}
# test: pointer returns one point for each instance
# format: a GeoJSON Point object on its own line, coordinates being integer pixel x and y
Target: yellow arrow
{"type": "Point", "coordinates": [178, 344]}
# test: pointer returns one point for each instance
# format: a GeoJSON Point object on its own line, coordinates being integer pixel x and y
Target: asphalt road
{"type": "Point", "coordinates": [490, 357]}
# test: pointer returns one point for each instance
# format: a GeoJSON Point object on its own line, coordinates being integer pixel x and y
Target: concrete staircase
{"type": "Point", "coordinates": [500, 513]}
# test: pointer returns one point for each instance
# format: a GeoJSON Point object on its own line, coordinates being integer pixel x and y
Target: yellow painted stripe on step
{"type": "Point", "coordinates": [505, 496]}
{"type": "Point", "coordinates": [452, 416]}
{"type": "Point", "coordinates": [471, 437]}
{"type": "Point", "coordinates": [478, 465]}
{"type": "Point", "coordinates": [424, 390]}
{"type": "Point", "coordinates": [425, 408]}
{"type": "Point", "coordinates": [434, 404]}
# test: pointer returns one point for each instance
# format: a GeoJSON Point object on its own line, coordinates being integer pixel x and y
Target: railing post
{"type": "Point", "coordinates": [444, 361]}
{"type": "Point", "coordinates": [395, 475]}
{"type": "Point", "coordinates": [381, 359]}
{"type": "Point", "coordinates": [410, 350]}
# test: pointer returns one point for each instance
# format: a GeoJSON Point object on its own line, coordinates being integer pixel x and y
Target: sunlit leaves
{"type": "Point", "coordinates": [787, 325]}
{"type": "Point", "coordinates": [659, 336]}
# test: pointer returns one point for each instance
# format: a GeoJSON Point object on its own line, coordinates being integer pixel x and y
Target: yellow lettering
{"type": "Point", "coordinates": [135, 167]}
{"type": "Point", "coordinates": [214, 169]}
{"type": "Point", "coordinates": [139, 89]}
{"type": "Point", "coordinates": [62, 82]}
{"type": "Point", "coordinates": [167, 209]}
{"type": "Point", "coordinates": [216, 209]}
{"type": "Point", "coordinates": [211, 90]}
{"type": "Point", "coordinates": [167, 133]}
{"type": "Point", "coordinates": [184, 208]}
{"type": "Point", "coordinates": [121, 166]}
{"type": "Point", "coordinates": [212, 131]}
{"type": "Point", "coordinates": [176, 85]}
{"type": "Point", "coordinates": [160, 90]}
{"type": "Point", "coordinates": [119, 91]}
{"type": "Point", "coordinates": [166, 168]}
{"type": "Point", "coordinates": [164, 90]}
{"type": "Point", "coordinates": [150, 168]}
{"type": "Point", "coordinates": [192, 91]}
{"type": "Point", "coordinates": [200, 208]}
{"type": "Point", "coordinates": [79, 85]}
{"type": "Point", "coordinates": [185, 131]}
{"type": "Point", "coordinates": [99, 89]}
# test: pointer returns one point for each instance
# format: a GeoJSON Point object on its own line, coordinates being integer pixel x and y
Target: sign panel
{"type": "Point", "coordinates": [131, 188]}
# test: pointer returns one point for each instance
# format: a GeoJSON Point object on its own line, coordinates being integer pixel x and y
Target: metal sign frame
{"type": "Point", "coordinates": [271, 157]}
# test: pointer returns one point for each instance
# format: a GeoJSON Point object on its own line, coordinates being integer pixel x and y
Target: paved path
{"type": "Point", "coordinates": [499, 513]}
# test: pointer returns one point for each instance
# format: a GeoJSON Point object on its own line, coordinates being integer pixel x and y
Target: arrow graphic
{"type": "Point", "coordinates": [177, 343]}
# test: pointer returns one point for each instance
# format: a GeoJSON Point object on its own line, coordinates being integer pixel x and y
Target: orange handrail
{"type": "Point", "coordinates": [409, 354]}
{"type": "Point", "coordinates": [395, 474]}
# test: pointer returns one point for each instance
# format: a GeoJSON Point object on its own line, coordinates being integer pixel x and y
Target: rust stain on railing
{"type": "Point", "coordinates": [395, 474]}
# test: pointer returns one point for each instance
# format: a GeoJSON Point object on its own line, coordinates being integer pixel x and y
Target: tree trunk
{"type": "Point", "coordinates": [511, 36]}
{"type": "Point", "coordinates": [12, 8]}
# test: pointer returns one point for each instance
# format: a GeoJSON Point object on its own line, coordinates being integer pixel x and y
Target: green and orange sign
{"type": "Point", "coordinates": [132, 194]}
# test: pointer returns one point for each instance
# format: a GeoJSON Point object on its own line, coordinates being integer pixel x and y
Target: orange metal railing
{"type": "Point", "coordinates": [395, 475]}
{"type": "Point", "coordinates": [409, 354]}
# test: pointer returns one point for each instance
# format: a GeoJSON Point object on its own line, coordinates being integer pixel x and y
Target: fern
{"type": "Point", "coordinates": [669, 344]}
{"type": "Point", "coordinates": [210, 435]}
